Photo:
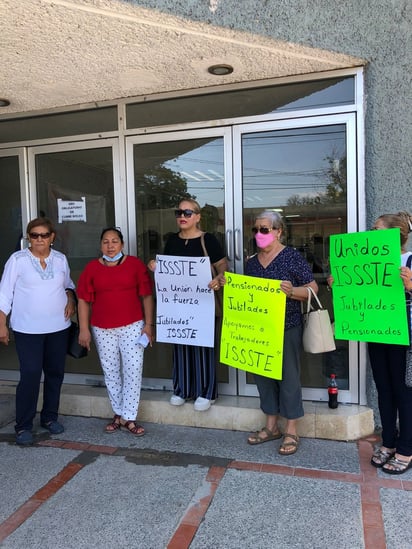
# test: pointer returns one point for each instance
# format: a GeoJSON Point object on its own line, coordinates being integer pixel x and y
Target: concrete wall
{"type": "Point", "coordinates": [378, 31]}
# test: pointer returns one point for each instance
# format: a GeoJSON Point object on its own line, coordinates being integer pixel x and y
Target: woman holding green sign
{"type": "Point", "coordinates": [388, 362]}
{"type": "Point", "coordinates": [281, 397]}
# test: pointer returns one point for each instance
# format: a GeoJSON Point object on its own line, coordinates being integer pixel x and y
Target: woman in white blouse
{"type": "Point", "coordinates": [37, 289]}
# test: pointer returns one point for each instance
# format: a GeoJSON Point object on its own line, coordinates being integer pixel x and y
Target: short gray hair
{"type": "Point", "coordinates": [274, 217]}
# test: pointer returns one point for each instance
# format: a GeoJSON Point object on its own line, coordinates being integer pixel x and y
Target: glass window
{"type": "Point", "coordinates": [164, 174]}
{"type": "Point", "coordinates": [59, 125]}
{"type": "Point", "coordinates": [11, 231]}
{"type": "Point", "coordinates": [78, 175]}
{"type": "Point", "coordinates": [301, 173]}
{"type": "Point", "coordinates": [247, 102]}
{"type": "Point", "coordinates": [10, 209]}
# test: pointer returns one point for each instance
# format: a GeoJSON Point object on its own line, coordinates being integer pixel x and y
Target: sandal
{"type": "Point", "coordinates": [399, 466]}
{"type": "Point", "coordinates": [290, 447]}
{"type": "Point", "coordinates": [381, 456]}
{"type": "Point", "coordinates": [256, 438]}
{"type": "Point", "coordinates": [134, 428]}
{"type": "Point", "coordinates": [113, 426]}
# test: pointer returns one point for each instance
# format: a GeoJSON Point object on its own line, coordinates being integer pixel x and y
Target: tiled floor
{"type": "Point", "coordinates": [197, 488]}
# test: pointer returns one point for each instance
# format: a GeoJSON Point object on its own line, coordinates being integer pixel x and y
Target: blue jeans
{"type": "Point", "coordinates": [39, 353]}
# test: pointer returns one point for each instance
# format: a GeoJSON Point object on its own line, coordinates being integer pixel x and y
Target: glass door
{"type": "Point", "coordinates": [78, 186]}
{"type": "Point", "coordinates": [13, 217]}
{"type": "Point", "coordinates": [162, 170]}
{"type": "Point", "coordinates": [305, 170]}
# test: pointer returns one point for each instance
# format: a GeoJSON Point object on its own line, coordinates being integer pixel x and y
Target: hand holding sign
{"type": "Point", "coordinates": [253, 325]}
{"type": "Point", "coordinates": [185, 303]}
{"type": "Point", "coordinates": [368, 294]}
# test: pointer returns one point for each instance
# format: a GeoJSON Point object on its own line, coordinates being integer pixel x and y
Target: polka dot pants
{"type": "Point", "coordinates": [121, 358]}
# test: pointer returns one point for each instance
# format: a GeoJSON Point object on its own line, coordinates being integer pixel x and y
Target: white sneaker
{"type": "Point", "coordinates": [176, 400]}
{"type": "Point", "coordinates": [202, 404]}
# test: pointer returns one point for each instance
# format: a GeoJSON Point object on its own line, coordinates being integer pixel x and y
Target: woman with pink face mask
{"type": "Point", "coordinates": [279, 262]}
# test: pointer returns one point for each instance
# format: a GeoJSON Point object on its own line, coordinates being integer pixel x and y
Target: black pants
{"type": "Point", "coordinates": [39, 353]}
{"type": "Point", "coordinates": [388, 364]}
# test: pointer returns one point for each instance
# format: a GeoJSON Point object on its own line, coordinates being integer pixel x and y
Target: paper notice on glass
{"type": "Point", "coordinates": [71, 210]}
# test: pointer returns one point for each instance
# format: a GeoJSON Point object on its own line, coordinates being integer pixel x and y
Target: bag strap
{"type": "Point", "coordinates": [311, 293]}
{"type": "Point", "coordinates": [202, 242]}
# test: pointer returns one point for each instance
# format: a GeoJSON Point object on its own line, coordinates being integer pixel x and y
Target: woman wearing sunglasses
{"type": "Point", "coordinates": [194, 369]}
{"type": "Point", "coordinates": [37, 289]}
{"type": "Point", "coordinates": [281, 398]}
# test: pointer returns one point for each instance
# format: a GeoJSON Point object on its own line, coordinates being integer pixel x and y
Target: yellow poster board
{"type": "Point", "coordinates": [253, 325]}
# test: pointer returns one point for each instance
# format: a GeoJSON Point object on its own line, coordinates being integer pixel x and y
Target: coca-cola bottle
{"type": "Point", "coordinates": [333, 392]}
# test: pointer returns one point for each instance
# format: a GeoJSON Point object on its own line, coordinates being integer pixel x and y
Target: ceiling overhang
{"type": "Point", "coordinates": [57, 53]}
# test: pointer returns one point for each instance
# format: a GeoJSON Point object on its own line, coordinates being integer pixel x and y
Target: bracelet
{"type": "Point", "coordinates": [291, 293]}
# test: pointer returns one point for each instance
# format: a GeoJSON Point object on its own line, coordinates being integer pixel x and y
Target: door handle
{"type": "Point", "coordinates": [238, 245]}
{"type": "Point", "coordinates": [229, 244]}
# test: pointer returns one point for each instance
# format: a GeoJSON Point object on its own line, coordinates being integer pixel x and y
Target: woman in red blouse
{"type": "Point", "coordinates": [115, 296]}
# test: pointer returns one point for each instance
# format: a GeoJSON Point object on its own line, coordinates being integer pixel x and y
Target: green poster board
{"type": "Point", "coordinates": [253, 325]}
{"type": "Point", "coordinates": [368, 294]}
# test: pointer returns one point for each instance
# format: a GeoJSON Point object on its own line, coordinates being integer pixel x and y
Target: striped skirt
{"type": "Point", "coordinates": [194, 372]}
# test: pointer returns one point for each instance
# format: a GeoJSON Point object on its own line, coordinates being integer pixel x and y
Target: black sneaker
{"type": "Point", "coordinates": [54, 427]}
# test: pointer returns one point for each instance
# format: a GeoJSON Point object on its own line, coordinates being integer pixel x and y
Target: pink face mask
{"type": "Point", "coordinates": [263, 240]}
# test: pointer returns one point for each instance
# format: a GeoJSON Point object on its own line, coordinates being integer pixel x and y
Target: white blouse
{"type": "Point", "coordinates": [36, 297]}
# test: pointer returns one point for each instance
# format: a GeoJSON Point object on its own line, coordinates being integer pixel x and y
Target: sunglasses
{"type": "Point", "coordinates": [186, 213]}
{"type": "Point", "coordinates": [35, 236]}
{"type": "Point", "coordinates": [263, 230]}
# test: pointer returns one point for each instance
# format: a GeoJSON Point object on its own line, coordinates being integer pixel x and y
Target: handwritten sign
{"type": "Point", "coordinates": [368, 294]}
{"type": "Point", "coordinates": [71, 210]}
{"type": "Point", "coordinates": [185, 305]}
{"type": "Point", "coordinates": [253, 325]}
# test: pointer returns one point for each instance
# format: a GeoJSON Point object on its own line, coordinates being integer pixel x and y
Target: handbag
{"type": "Point", "coordinates": [317, 329]}
{"type": "Point", "coordinates": [219, 292]}
{"type": "Point", "coordinates": [74, 349]}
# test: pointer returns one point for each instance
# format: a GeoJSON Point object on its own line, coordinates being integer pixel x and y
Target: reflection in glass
{"type": "Point", "coordinates": [70, 176]}
{"type": "Point", "coordinates": [165, 174]}
{"type": "Point", "coordinates": [11, 231]}
{"type": "Point", "coordinates": [245, 102]}
{"type": "Point", "coordinates": [302, 174]}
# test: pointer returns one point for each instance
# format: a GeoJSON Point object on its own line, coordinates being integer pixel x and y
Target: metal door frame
{"type": "Point", "coordinates": [229, 388]}
{"type": "Point", "coordinates": [120, 205]}
{"type": "Point", "coordinates": [119, 190]}
{"type": "Point", "coordinates": [354, 200]}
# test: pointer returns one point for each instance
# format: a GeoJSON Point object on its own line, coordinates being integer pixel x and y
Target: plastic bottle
{"type": "Point", "coordinates": [333, 392]}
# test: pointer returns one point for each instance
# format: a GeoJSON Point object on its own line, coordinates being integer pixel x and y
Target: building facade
{"type": "Point", "coordinates": [118, 109]}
